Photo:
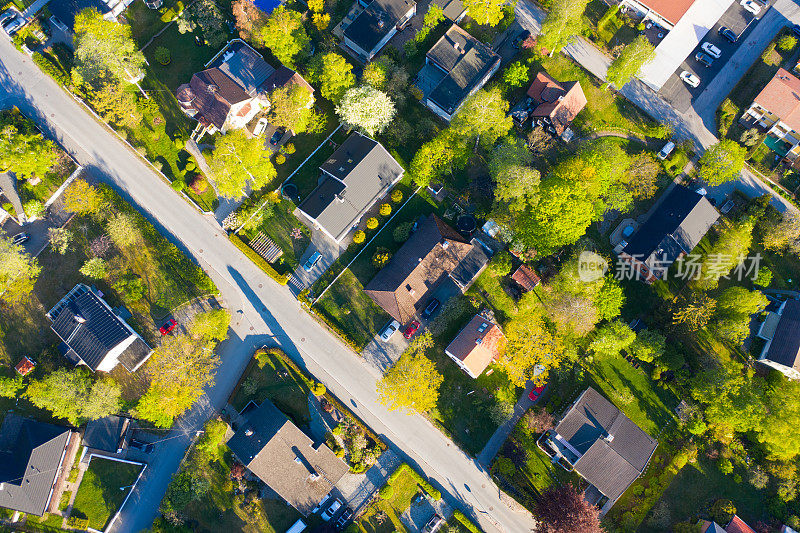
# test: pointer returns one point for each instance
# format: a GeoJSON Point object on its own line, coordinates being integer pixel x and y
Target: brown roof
{"type": "Point", "coordinates": [526, 278]}
{"type": "Point", "coordinates": [283, 76]}
{"type": "Point", "coordinates": [781, 96]}
{"type": "Point", "coordinates": [478, 344]}
{"type": "Point", "coordinates": [672, 10]}
{"type": "Point", "coordinates": [417, 268]}
{"type": "Point", "coordinates": [561, 102]}
{"type": "Point", "coordinates": [25, 366]}
{"type": "Point", "coordinates": [737, 525]}
{"type": "Point", "coordinates": [212, 93]}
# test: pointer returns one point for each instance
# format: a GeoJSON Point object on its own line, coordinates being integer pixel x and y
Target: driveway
{"type": "Point", "coordinates": [263, 313]}
{"type": "Point", "coordinates": [329, 251]}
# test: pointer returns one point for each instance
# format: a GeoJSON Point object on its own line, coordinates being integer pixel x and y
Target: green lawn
{"type": "Point", "coordinates": [490, 288]}
{"type": "Point", "coordinates": [383, 514]}
{"type": "Point", "coordinates": [103, 489]}
{"type": "Point", "coordinates": [187, 57]}
{"type": "Point", "coordinates": [145, 22]}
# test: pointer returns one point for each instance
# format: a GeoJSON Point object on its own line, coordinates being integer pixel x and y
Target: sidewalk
{"type": "Point", "coordinates": [496, 441]}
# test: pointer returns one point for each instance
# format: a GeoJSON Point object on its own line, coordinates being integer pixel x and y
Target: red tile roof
{"type": "Point", "coordinates": [781, 96]}
{"type": "Point", "coordinates": [737, 525]}
{"type": "Point", "coordinates": [476, 348]}
{"type": "Point", "coordinates": [526, 278]}
{"type": "Point", "coordinates": [672, 10]}
{"type": "Point", "coordinates": [561, 102]}
{"type": "Point", "coordinates": [25, 366]}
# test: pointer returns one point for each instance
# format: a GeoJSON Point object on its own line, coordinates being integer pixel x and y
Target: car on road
{"type": "Point", "coordinates": [261, 125]}
{"type": "Point", "coordinates": [666, 150]}
{"type": "Point", "coordinates": [521, 39]}
{"type": "Point", "coordinates": [535, 393]}
{"type": "Point", "coordinates": [728, 34]}
{"type": "Point", "coordinates": [711, 50]}
{"type": "Point", "coordinates": [389, 330]}
{"type": "Point", "coordinates": [690, 79]}
{"type": "Point", "coordinates": [328, 513]}
{"type": "Point", "coordinates": [277, 136]}
{"type": "Point", "coordinates": [704, 58]}
{"type": "Point", "coordinates": [312, 261]}
{"type": "Point", "coordinates": [146, 447]}
{"type": "Point", "coordinates": [411, 329]}
{"type": "Point", "coordinates": [346, 516]}
{"type": "Point", "coordinates": [751, 6]}
{"type": "Point", "coordinates": [433, 524]}
{"type": "Point", "coordinates": [19, 238]}
{"type": "Point", "coordinates": [431, 308]}
{"type": "Point", "coordinates": [168, 326]}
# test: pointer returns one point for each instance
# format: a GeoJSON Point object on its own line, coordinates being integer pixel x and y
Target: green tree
{"type": "Point", "coordinates": [71, 394]}
{"type": "Point", "coordinates": [95, 268]}
{"type": "Point", "coordinates": [630, 61]}
{"type": "Point", "coordinates": [485, 12]}
{"type": "Point", "coordinates": [641, 176]}
{"type": "Point", "coordinates": [516, 75]}
{"type": "Point", "coordinates": [728, 251]}
{"type": "Point", "coordinates": [333, 74]}
{"type": "Point", "coordinates": [777, 432]}
{"type": "Point", "coordinates": [290, 108]}
{"type": "Point", "coordinates": [610, 298]}
{"type": "Point", "coordinates": [104, 46]}
{"type": "Point", "coordinates": [366, 108]}
{"type": "Point", "coordinates": [530, 348]}
{"type": "Point", "coordinates": [516, 183]}
{"type": "Point", "coordinates": [18, 271]}
{"type": "Point", "coordinates": [104, 398]}
{"type": "Point", "coordinates": [211, 325]}
{"type": "Point", "coordinates": [764, 277]}
{"type": "Point", "coordinates": [60, 239]}
{"type": "Point", "coordinates": [648, 346]}
{"type": "Point", "coordinates": [484, 116]}
{"type": "Point", "coordinates": [500, 265]}
{"type": "Point", "coordinates": [83, 199]}
{"type": "Point", "coordinates": [735, 306]}
{"type": "Point", "coordinates": [778, 230]}
{"type": "Point", "coordinates": [721, 162]}
{"type": "Point", "coordinates": [731, 399]}
{"type": "Point", "coordinates": [695, 311]}
{"type": "Point", "coordinates": [441, 155]}
{"type": "Point", "coordinates": [563, 21]}
{"type": "Point", "coordinates": [284, 34]}
{"type": "Point", "coordinates": [238, 161]}
{"type": "Point", "coordinates": [412, 383]}
{"type": "Point", "coordinates": [612, 338]}
{"type": "Point", "coordinates": [10, 387]}
{"type": "Point", "coordinates": [25, 153]}
{"type": "Point", "coordinates": [378, 71]}
{"type": "Point", "coordinates": [433, 16]}
{"type": "Point", "coordinates": [123, 230]}
{"type": "Point", "coordinates": [205, 16]}
{"type": "Point", "coordinates": [117, 105]}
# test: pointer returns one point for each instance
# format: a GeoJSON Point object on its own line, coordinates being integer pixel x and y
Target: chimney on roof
{"type": "Point", "coordinates": [478, 341]}
{"type": "Point", "coordinates": [458, 48]}
{"type": "Point", "coordinates": [248, 432]}
{"type": "Point", "coordinates": [79, 319]}
{"type": "Point", "coordinates": [609, 438]}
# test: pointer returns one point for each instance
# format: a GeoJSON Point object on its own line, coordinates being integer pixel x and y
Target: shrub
{"type": "Point", "coordinates": [34, 208]}
{"type": "Point", "coordinates": [198, 184]}
{"type": "Point", "coordinates": [500, 265]}
{"type": "Point", "coordinates": [359, 237]}
{"type": "Point", "coordinates": [289, 148]}
{"type": "Point", "coordinates": [163, 55]}
{"type": "Point", "coordinates": [178, 185]}
{"type": "Point", "coordinates": [189, 166]}
{"type": "Point", "coordinates": [280, 159]}
{"type": "Point", "coordinates": [78, 523]}
{"type": "Point", "coordinates": [95, 268]}
{"type": "Point", "coordinates": [386, 492]}
{"type": "Point", "coordinates": [179, 144]}
{"type": "Point", "coordinates": [51, 69]}
{"type": "Point", "coordinates": [402, 232]}
{"type": "Point", "coordinates": [722, 511]}
{"type": "Point", "coordinates": [385, 210]}
{"type": "Point", "coordinates": [466, 522]}
{"type": "Point", "coordinates": [397, 196]}
{"type": "Point", "coordinates": [319, 389]}
{"type": "Point", "coordinates": [725, 466]}
{"type": "Point", "coordinates": [764, 277]}
{"type": "Point", "coordinates": [787, 42]}
{"type": "Point", "coordinates": [357, 468]}
{"type": "Point", "coordinates": [381, 257]}
{"type": "Point", "coordinates": [372, 223]}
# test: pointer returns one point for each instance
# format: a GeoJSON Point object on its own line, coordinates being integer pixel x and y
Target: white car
{"type": "Point", "coordinates": [668, 148]}
{"type": "Point", "coordinates": [711, 50]}
{"type": "Point", "coordinates": [690, 79]}
{"type": "Point", "coordinates": [330, 511]}
{"type": "Point", "coordinates": [261, 125]}
{"type": "Point", "coordinates": [751, 6]}
{"type": "Point", "coordinates": [389, 330]}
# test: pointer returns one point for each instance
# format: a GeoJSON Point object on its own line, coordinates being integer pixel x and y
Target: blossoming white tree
{"type": "Point", "coordinates": [366, 108]}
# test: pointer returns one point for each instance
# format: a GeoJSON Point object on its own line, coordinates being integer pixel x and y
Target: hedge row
{"type": "Point", "coordinates": [336, 329]}
{"type": "Point", "coordinates": [422, 482]}
{"type": "Point", "coordinates": [51, 69]}
{"type": "Point", "coordinates": [259, 261]}
{"type": "Point", "coordinates": [466, 522]}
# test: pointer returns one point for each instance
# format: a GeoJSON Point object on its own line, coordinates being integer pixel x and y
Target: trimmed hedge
{"type": "Point", "coordinates": [51, 69]}
{"type": "Point", "coordinates": [466, 522]}
{"type": "Point", "coordinates": [422, 482]}
{"type": "Point", "coordinates": [259, 261]}
{"type": "Point", "coordinates": [336, 329]}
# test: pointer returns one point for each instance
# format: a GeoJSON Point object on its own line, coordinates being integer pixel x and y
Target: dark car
{"type": "Point", "coordinates": [411, 329]}
{"type": "Point", "coordinates": [19, 238]}
{"type": "Point", "coordinates": [146, 447]}
{"type": "Point", "coordinates": [796, 30]}
{"type": "Point", "coordinates": [277, 136]}
{"type": "Point", "coordinates": [168, 326]}
{"type": "Point", "coordinates": [431, 308]}
{"type": "Point", "coordinates": [346, 516]}
{"type": "Point", "coordinates": [521, 39]}
{"type": "Point", "coordinates": [704, 58]}
{"type": "Point", "coordinates": [728, 34]}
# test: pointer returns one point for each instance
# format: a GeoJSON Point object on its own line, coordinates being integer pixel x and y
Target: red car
{"type": "Point", "coordinates": [168, 326]}
{"type": "Point", "coordinates": [536, 392]}
{"type": "Point", "coordinates": [411, 329]}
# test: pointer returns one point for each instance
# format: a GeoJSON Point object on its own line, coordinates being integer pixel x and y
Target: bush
{"type": "Point", "coordinates": [385, 210]}
{"type": "Point", "coordinates": [386, 492]}
{"type": "Point", "coordinates": [372, 223]}
{"type": "Point", "coordinates": [402, 232]}
{"type": "Point", "coordinates": [259, 261]}
{"type": "Point", "coordinates": [787, 42]}
{"type": "Point", "coordinates": [78, 523]}
{"type": "Point", "coordinates": [51, 69]}
{"type": "Point", "coordinates": [319, 389]}
{"type": "Point", "coordinates": [359, 237]}
{"type": "Point", "coordinates": [722, 511]}
{"type": "Point", "coordinates": [500, 265]}
{"type": "Point", "coordinates": [189, 166]}
{"type": "Point", "coordinates": [466, 522]}
{"type": "Point", "coordinates": [289, 148]}
{"type": "Point", "coordinates": [280, 159]}
{"type": "Point", "coordinates": [178, 185]}
{"type": "Point", "coordinates": [381, 257]}
{"type": "Point", "coordinates": [397, 196]}
{"type": "Point", "coordinates": [198, 184]}
{"type": "Point", "coordinates": [725, 466]}
{"type": "Point", "coordinates": [163, 55]}
{"type": "Point", "coordinates": [764, 277]}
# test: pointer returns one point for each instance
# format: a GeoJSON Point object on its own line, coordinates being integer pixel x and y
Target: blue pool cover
{"type": "Point", "coordinates": [267, 6]}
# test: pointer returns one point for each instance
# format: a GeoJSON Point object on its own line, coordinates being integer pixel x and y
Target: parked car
{"type": "Point", "coordinates": [346, 516]}
{"type": "Point", "coordinates": [521, 39]}
{"type": "Point", "coordinates": [711, 50]}
{"type": "Point", "coordinates": [146, 447]}
{"type": "Point", "coordinates": [312, 261]}
{"type": "Point", "coordinates": [668, 148]}
{"type": "Point", "coordinates": [751, 6]}
{"type": "Point", "coordinates": [11, 25]}
{"type": "Point", "coordinates": [433, 524]}
{"type": "Point", "coordinates": [411, 329]}
{"type": "Point", "coordinates": [728, 34]}
{"type": "Point", "coordinates": [19, 238]}
{"type": "Point", "coordinates": [168, 326]}
{"type": "Point", "coordinates": [536, 392]}
{"type": "Point", "coordinates": [431, 308]}
{"type": "Point", "coordinates": [796, 30]}
{"type": "Point", "coordinates": [261, 125]}
{"type": "Point", "coordinates": [7, 16]}
{"type": "Point", "coordinates": [328, 513]}
{"type": "Point", "coordinates": [704, 58]}
{"type": "Point", "coordinates": [690, 79]}
{"type": "Point", "coordinates": [389, 330]}
{"type": "Point", "coordinates": [277, 136]}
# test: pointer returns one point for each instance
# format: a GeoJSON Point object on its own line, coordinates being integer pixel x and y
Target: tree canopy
{"type": "Point", "coordinates": [563, 21]}
{"type": "Point", "coordinates": [74, 396]}
{"type": "Point", "coordinates": [721, 162]}
{"type": "Point", "coordinates": [412, 383]}
{"type": "Point", "coordinates": [366, 108]}
{"type": "Point", "coordinates": [530, 349]}
{"type": "Point", "coordinates": [104, 46]}
{"type": "Point", "coordinates": [238, 161]}
{"type": "Point", "coordinates": [483, 115]}
{"type": "Point", "coordinates": [487, 12]}
{"type": "Point", "coordinates": [562, 509]}
{"type": "Point", "coordinates": [442, 155]}
{"type": "Point", "coordinates": [24, 151]}
{"type": "Point", "coordinates": [333, 74]}
{"type": "Point", "coordinates": [284, 34]}
{"type": "Point", "coordinates": [632, 58]}
{"type": "Point", "coordinates": [290, 108]}
{"type": "Point", "coordinates": [18, 271]}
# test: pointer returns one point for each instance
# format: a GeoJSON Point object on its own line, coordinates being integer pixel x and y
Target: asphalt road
{"type": "Point", "coordinates": [263, 312]}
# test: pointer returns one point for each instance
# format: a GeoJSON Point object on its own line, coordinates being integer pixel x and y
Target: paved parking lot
{"type": "Point", "coordinates": [741, 22]}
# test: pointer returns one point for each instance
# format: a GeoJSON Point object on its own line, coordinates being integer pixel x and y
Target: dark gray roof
{"type": "Point", "coordinates": [376, 21]}
{"type": "Point", "coordinates": [244, 66]}
{"type": "Point", "coordinates": [285, 458]}
{"type": "Point", "coordinates": [358, 173]}
{"type": "Point", "coordinates": [87, 325]}
{"type": "Point", "coordinates": [135, 354]}
{"type": "Point", "coordinates": [65, 10]}
{"type": "Point", "coordinates": [30, 456]}
{"type": "Point", "coordinates": [466, 61]}
{"type": "Point", "coordinates": [105, 433]}
{"type": "Point", "coordinates": [785, 346]}
{"type": "Point", "coordinates": [453, 9]}
{"type": "Point", "coordinates": [675, 227]}
{"type": "Point", "coordinates": [469, 267]}
{"type": "Point", "coordinates": [614, 451]}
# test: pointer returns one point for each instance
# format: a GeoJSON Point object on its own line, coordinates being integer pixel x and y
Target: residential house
{"type": "Point", "coordinates": [376, 25]}
{"type": "Point", "coordinates": [234, 88]}
{"type": "Point", "coordinates": [603, 445]}
{"type": "Point", "coordinates": [355, 176]}
{"type": "Point", "coordinates": [64, 11]}
{"type": "Point", "coordinates": [781, 331]}
{"type": "Point", "coordinates": [526, 278]}
{"type": "Point", "coordinates": [736, 525]}
{"type": "Point", "coordinates": [107, 434]}
{"type": "Point", "coordinates": [776, 111]}
{"type": "Point", "coordinates": [31, 455]}
{"type": "Point", "coordinates": [434, 255]}
{"type": "Point", "coordinates": [453, 10]}
{"type": "Point", "coordinates": [672, 230]}
{"type": "Point", "coordinates": [95, 335]}
{"type": "Point", "coordinates": [285, 458]}
{"type": "Point", "coordinates": [477, 345]}
{"type": "Point", "coordinates": [455, 67]}
{"type": "Point", "coordinates": [557, 104]}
